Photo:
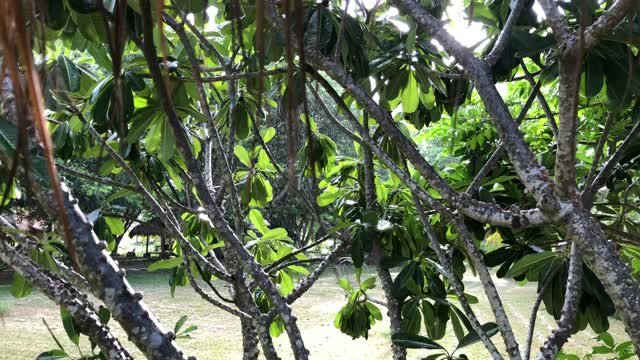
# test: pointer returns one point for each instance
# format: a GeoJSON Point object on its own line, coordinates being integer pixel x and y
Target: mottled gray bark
{"type": "Point", "coordinates": [66, 295]}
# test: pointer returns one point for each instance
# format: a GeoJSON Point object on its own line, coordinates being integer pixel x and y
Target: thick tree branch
{"type": "Point", "coordinates": [533, 175]}
{"type": "Point", "coordinates": [64, 294]}
{"type": "Point", "coordinates": [608, 21]}
{"type": "Point", "coordinates": [480, 211]}
{"type": "Point", "coordinates": [569, 63]}
{"type": "Point", "coordinates": [497, 155]}
{"type": "Point", "coordinates": [558, 24]}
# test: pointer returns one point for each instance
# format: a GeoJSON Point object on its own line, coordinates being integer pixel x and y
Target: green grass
{"type": "Point", "coordinates": [23, 335]}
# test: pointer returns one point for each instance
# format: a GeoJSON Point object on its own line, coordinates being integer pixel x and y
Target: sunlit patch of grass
{"type": "Point", "coordinates": [218, 335]}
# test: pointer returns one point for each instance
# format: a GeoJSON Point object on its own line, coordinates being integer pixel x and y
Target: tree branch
{"type": "Point", "coordinates": [608, 21]}
{"type": "Point", "coordinates": [543, 102]}
{"type": "Point", "coordinates": [534, 314]}
{"type": "Point", "coordinates": [64, 294]}
{"type": "Point", "coordinates": [198, 289]}
{"type": "Point", "coordinates": [226, 77]}
{"type": "Point", "coordinates": [97, 179]}
{"type": "Point", "coordinates": [456, 284]}
{"type": "Point", "coordinates": [212, 209]}
{"type": "Point", "coordinates": [570, 309]}
{"type": "Point", "coordinates": [503, 38]}
{"type": "Point", "coordinates": [599, 149]}
{"type": "Point", "coordinates": [559, 26]}
{"type": "Point", "coordinates": [609, 166]}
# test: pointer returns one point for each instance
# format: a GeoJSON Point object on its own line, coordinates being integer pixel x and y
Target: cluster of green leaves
{"type": "Point", "coordinates": [619, 351]}
{"type": "Point", "coordinates": [551, 268]}
{"type": "Point", "coordinates": [412, 341]}
{"type": "Point", "coordinates": [357, 316]}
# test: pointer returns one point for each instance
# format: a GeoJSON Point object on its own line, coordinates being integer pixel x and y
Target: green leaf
{"type": "Point", "coordinates": [104, 315]}
{"type": "Point", "coordinates": [20, 287]}
{"type": "Point", "coordinates": [275, 234]}
{"type": "Point", "coordinates": [328, 196]}
{"type": "Point", "coordinates": [523, 265]}
{"type": "Point", "coordinates": [179, 324]}
{"type": "Point", "coordinates": [243, 155]}
{"type": "Point", "coordinates": [370, 283]}
{"type": "Point", "coordinates": [593, 75]}
{"type": "Point", "coordinates": [268, 134]}
{"type": "Point", "coordinates": [255, 216]}
{"type": "Point", "coordinates": [344, 284]}
{"type": "Point", "coordinates": [299, 269]}
{"type": "Point", "coordinates": [115, 225]}
{"type": "Point", "coordinates": [70, 72]}
{"type": "Point", "coordinates": [410, 98]}
{"type": "Point", "coordinates": [411, 341]}
{"type": "Point", "coordinates": [55, 354]}
{"type": "Point", "coordinates": [286, 283]}
{"type": "Point", "coordinates": [607, 339]}
{"type": "Point", "coordinates": [167, 144]}
{"type": "Point", "coordinates": [489, 329]}
{"type": "Point", "coordinates": [70, 326]}
{"type": "Point", "coordinates": [165, 264]}
{"type": "Point", "coordinates": [140, 121]}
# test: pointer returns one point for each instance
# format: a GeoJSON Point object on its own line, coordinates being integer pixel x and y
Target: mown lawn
{"type": "Point", "coordinates": [23, 334]}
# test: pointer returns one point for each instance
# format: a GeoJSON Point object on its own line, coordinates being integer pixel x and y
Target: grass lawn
{"type": "Point", "coordinates": [24, 336]}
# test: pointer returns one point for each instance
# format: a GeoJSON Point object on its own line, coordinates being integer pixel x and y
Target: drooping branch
{"type": "Point", "coordinates": [377, 253]}
{"type": "Point", "coordinates": [473, 251]}
{"type": "Point", "coordinates": [599, 149]}
{"type": "Point", "coordinates": [167, 216]}
{"type": "Point", "coordinates": [505, 34]}
{"type": "Point", "coordinates": [610, 165]}
{"type": "Point", "coordinates": [198, 289]}
{"type": "Point", "coordinates": [570, 308]}
{"type": "Point", "coordinates": [456, 284]}
{"type": "Point", "coordinates": [534, 314]}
